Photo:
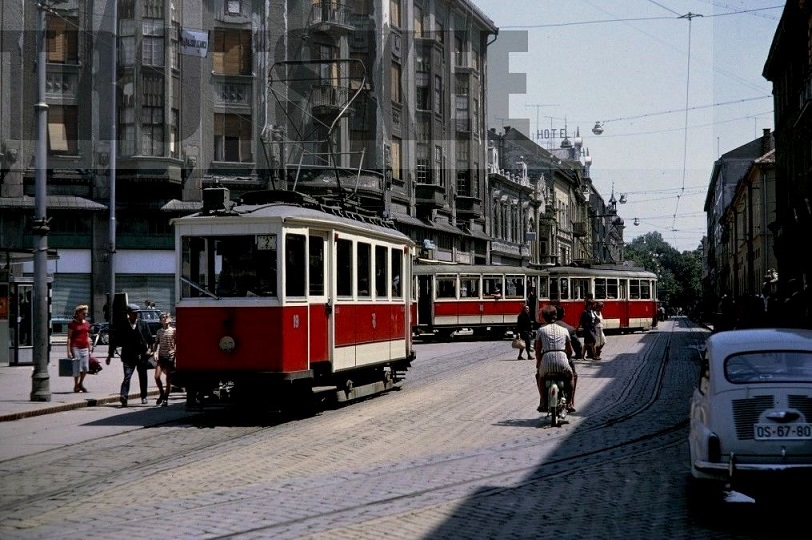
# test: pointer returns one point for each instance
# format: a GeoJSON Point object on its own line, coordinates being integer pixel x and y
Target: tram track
{"type": "Point", "coordinates": [650, 374]}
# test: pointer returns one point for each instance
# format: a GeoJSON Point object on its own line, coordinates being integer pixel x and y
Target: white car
{"type": "Point", "coordinates": [751, 414]}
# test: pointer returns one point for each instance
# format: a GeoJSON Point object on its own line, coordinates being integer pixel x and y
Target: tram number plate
{"type": "Point", "coordinates": [771, 432]}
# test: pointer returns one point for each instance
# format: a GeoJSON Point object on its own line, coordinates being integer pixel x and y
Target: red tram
{"type": "Point", "coordinates": [282, 298]}
{"type": "Point", "coordinates": [484, 299]}
{"type": "Point", "coordinates": [487, 299]}
{"type": "Point", "coordinates": [628, 294]}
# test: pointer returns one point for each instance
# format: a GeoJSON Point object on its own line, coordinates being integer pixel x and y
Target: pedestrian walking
{"type": "Point", "coordinates": [79, 345]}
{"type": "Point", "coordinates": [136, 343]}
{"type": "Point", "coordinates": [577, 348]}
{"type": "Point", "coordinates": [587, 322]}
{"type": "Point", "coordinates": [524, 329]}
{"type": "Point", "coordinates": [165, 354]}
{"type": "Point", "coordinates": [600, 337]}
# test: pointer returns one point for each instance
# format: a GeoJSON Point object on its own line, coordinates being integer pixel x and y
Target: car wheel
{"type": "Point", "coordinates": [704, 497]}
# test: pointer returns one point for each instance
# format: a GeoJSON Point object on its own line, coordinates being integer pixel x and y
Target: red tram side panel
{"type": "Point", "coordinates": [484, 299]}
{"type": "Point", "coordinates": [278, 289]}
{"type": "Point", "coordinates": [628, 294]}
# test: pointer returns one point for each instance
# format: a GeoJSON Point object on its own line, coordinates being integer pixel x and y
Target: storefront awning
{"type": "Point", "coordinates": [182, 206]}
{"type": "Point", "coordinates": [54, 202]}
{"type": "Point", "coordinates": [406, 219]}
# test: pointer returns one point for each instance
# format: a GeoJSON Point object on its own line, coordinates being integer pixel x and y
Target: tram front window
{"type": "Point", "coordinates": [229, 266]}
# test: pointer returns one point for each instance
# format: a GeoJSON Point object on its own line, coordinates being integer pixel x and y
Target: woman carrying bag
{"type": "Point", "coordinates": [524, 330]}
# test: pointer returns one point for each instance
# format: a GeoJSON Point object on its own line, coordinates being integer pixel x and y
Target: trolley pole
{"type": "Point", "coordinates": [40, 380]}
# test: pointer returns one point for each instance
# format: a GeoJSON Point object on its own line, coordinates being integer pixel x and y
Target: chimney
{"type": "Point", "coordinates": [766, 141]}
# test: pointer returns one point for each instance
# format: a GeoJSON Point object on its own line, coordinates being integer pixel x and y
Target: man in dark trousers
{"type": "Point", "coordinates": [135, 341]}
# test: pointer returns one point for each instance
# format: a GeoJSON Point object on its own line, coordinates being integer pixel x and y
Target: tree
{"type": "Point", "coordinates": [678, 274]}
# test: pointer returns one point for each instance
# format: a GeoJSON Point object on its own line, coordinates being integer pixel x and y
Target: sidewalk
{"type": "Point", "coordinates": [103, 388]}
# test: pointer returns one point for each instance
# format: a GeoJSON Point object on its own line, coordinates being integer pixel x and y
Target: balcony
{"type": "Point", "coordinates": [430, 195]}
{"type": "Point", "coordinates": [468, 207]}
{"type": "Point", "coordinates": [326, 100]}
{"type": "Point", "coordinates": [331, 17]}
{"type": "Point", "coordinates": [230, 93]}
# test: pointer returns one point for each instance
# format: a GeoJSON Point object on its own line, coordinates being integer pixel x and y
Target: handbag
{"type": "Point", "coordinates": [148, 361]}
{"type": "Point", "coordinates": [517, 343]}
{"type": "Point", "coordinates": [95, 365]}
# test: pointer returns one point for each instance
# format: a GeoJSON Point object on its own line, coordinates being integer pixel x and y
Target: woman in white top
{"type": "Point", "coordinates": [600, 337]}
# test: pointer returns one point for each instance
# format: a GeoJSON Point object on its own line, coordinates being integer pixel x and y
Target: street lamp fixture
{"type": "Point", "coordinates": [598, 129]}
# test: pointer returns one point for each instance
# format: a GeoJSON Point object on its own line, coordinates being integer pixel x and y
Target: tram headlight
{"type": "Point", "coordinates": [227, 344]}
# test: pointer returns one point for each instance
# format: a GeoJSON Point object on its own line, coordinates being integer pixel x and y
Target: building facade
{"type": "Point", "coordinates": [789, 68]}
{"type": "Point", "coordinates": [377, 104]}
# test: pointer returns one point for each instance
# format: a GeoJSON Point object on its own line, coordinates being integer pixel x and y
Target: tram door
{"type": "Point", "coordinates": [425, 300]}
{"type": "Point", "coordinates": [320, 328]}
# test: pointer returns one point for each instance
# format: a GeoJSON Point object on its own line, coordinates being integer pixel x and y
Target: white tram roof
{"type": "Point", "coordinates": [601, 271]}
{"type": "Point", "coordinates": [253, 219]}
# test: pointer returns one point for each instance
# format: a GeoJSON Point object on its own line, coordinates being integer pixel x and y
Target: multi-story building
{"type": "Point", "coordinates": [549, 194]}
{"type": "Point", "coordinates": [750, 243]}
{"type": "Point", "coordinates": [731, 232]}
{"type": "Point", "coordinates": [789, 68]}
{"type": "Point", "coordinates": [376, 104]}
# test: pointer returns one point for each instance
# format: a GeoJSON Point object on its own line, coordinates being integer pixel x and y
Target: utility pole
{"type": "Point", "coordinates": [40, 380]}
{"type": "Point", "coordinates": [113, 154]}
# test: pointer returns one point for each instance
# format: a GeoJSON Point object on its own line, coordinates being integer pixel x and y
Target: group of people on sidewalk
{"type": "Point", "coordinates": [140, 351]}
{"type": "Point", "coordinates": [556, 344]}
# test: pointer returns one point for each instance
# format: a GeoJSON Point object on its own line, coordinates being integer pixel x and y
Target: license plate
{"type": "Point", "coordinates": [772, 432]}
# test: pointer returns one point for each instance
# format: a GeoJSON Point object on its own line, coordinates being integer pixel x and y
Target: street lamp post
{"type": "Point", "coordinates": [40, 380]}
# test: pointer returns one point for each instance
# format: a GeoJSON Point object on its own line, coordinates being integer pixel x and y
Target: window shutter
{"type": "Point", "coordinates": [56, 39]}
{"type": "Point", "coordinates": [218, 55]}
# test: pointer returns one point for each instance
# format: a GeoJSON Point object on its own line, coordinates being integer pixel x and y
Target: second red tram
{"type": "Point", "coordinates": [279, 296]}
{"type": "Point", "coordinates": [487, 299]}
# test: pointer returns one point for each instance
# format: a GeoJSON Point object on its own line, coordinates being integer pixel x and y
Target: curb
{"type": "Point", "coordinates": [62, 407]}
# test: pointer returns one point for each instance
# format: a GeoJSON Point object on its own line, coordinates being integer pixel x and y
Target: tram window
{"type": "Point", "coordinates": [634, 289]}
{"type": "Point", "coordinates": [295, 264]}
{"type": "Point", "coordinates": [600, 288]}
{"type": "Point", "coordinates": [492, 285]}
{"type": "Point", "coordinates": [228, 266]}
{"type": "Point", "coordinates": [645, 289]}
{"type": "Point", "coordinates": [564, 288]}
{"type": "Point", "coordinates": [344, 267]}
{"type": "Point", "coordinates": [612, 289]}
{"type": "Point", "coordinates": [397, 272]}
{"type": "Point", "coordinates": [364, 263]}
{"type": "Point", "coordinates": [514, 286]}
{"type": "Point", "coordinates": [446, 286]}
{"type": "Point", "coordinates": [579, 288]}
{"type": "Point", "coordinates": [469, 286]}
{"type": "Point", "coordinates": [543, 289]}
{"type": "Point", "coordinates": [380, 271]}
{"type": "Point", "coordinates": [316, 266]}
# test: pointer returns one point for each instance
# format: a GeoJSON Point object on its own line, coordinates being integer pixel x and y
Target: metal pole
{"type": "Point", "coordinates": [113, 154]}
{"type": "Point", "coordinates": [40, 380]}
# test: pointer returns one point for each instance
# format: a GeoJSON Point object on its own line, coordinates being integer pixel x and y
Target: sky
{"type": "Point", "coordinates": [675, 83]}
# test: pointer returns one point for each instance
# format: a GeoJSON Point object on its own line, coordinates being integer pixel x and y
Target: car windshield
{"type": "Point", "coordinates": [769, 366]}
